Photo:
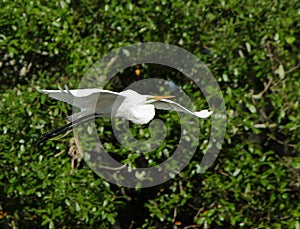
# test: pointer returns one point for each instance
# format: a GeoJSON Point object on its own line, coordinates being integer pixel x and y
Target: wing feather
{"type": "Point", "coordinates": [82, 98]}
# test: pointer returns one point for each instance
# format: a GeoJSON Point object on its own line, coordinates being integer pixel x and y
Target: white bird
{"type": "Point", "coordinates": [129, 104]}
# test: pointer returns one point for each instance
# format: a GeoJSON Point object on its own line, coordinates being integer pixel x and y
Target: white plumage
{"type": "Point", "coordinates": [139, 109]}
{"type": "Point", "coordinates": [93, 102]}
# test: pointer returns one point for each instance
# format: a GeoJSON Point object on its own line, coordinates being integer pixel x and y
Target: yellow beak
{"type": "Point", "coordinates": [161, 97]}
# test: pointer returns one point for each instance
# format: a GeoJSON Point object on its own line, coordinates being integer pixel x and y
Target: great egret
{"type": "Point", "coordinates": [129, 104]}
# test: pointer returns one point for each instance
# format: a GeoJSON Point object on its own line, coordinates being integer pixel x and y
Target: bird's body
{"type": "Point", "coordinates": [134, 107]}
{"type": "Point", "coordinates": [137, 108]}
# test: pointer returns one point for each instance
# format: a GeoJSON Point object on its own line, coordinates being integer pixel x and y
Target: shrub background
{"type": "Point", "coordinates": [252, 49]}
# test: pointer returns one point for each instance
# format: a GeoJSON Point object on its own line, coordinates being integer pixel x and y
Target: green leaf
{"type": "Point", "coordinates": [280, 71]}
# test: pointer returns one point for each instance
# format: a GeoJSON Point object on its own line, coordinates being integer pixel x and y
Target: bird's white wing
{"type": "Point", "coordinates": [83, 98]}
{"type": "Point", "coordinates": [165, 104]}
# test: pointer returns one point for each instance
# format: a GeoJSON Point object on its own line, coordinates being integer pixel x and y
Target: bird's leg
{"type": "Point", "coordinates": [66, 128]}
{"type": "Point", "coordinates": [54, 133]}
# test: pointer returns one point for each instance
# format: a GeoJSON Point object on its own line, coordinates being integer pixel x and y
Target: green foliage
{"type": "Point", "coordinates": [251, 47]}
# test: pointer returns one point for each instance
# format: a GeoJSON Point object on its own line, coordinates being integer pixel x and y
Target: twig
{"type": "Point", "coordinates": [292, 69]}
{"type": "Point", "coordinates": [259, 95]}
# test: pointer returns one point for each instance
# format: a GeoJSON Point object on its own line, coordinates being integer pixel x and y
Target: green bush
{"type": "Point", "coordinates": [252, 49]}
